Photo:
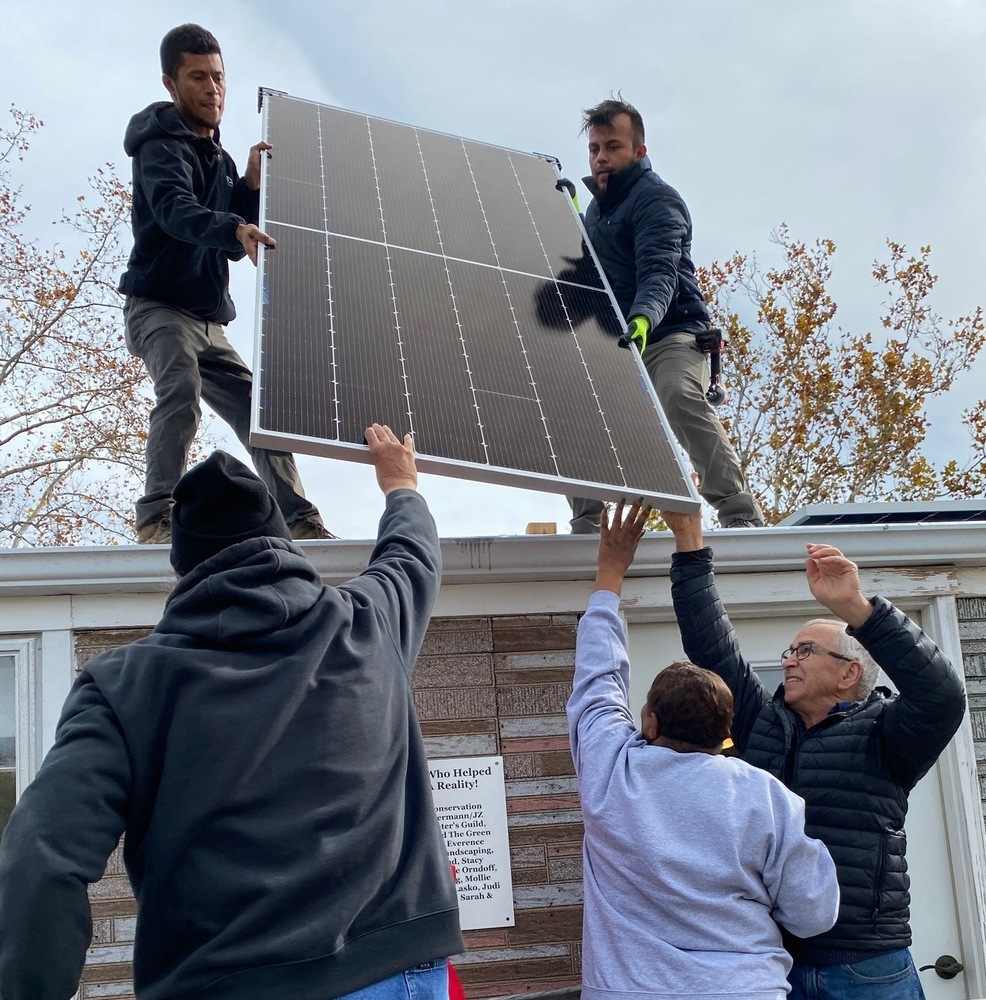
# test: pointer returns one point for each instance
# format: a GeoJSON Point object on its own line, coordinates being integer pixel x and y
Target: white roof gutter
{"type": "Point", "coordinates": [145, 569]}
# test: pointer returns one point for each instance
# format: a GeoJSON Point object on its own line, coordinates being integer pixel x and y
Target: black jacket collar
{"type": "Point", "coordinates": [619, 184]}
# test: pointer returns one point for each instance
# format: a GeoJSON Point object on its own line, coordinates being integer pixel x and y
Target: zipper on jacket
{"type": "Point", "coordinates": [881, 864]}
{"type": "Point", "coordinates": [793, 751]}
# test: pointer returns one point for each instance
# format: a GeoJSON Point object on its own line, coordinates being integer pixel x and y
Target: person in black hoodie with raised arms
{"type": "Point", "coordinates": [191, 215]}
{"type": "Point", "coordinates": [261, 752]}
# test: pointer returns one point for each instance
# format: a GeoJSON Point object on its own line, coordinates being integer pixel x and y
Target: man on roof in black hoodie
{"type": "Point", "coordinates": [261, 752]}
{"type": "Point", "coordinates": [191, 215]}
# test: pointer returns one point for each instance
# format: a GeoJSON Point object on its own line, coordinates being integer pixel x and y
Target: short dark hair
{"type": "Point", "coordinates": [190, 38]}
{"type": "Point", "coordinates": [692, 705]}
{"type": "Point", "coordinates": [605, 111]}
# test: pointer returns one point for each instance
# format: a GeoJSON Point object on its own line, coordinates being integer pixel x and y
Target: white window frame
{"type": "Point", "coordinates": [27, 715]}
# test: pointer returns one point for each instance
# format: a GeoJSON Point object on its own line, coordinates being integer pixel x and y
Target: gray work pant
{"type": "Point", "coordinates": [680, 373]}
{"type": "Point", "coordinates": [188, 359]}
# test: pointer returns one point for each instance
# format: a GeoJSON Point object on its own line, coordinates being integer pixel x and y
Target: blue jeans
{"type": "Point", "coordinates": [427, 981]}
{"type": "Point", "coordinates": [888, 976]}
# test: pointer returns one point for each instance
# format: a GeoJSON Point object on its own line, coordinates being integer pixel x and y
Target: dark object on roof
{"type": "Point", "coordinates": [905, 512]}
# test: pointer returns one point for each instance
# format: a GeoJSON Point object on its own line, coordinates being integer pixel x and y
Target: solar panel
{"type": "Point", "coordinates": [944, 511]}
{"type": "Point", "coordinates": [444, 287]}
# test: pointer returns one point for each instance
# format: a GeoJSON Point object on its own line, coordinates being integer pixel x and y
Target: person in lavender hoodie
{"type": "Point", "coordinates": [693, 861]}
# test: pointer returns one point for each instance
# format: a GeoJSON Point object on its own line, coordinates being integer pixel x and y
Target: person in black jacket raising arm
{"type": "Point", "coordinates": [642, 233]}
{"type": "Point", "coordinates": [260, 750]}
{"type": "Point", "coordinates": [851, 749]}
{"type": "Point", "coordinates": [191, 215]}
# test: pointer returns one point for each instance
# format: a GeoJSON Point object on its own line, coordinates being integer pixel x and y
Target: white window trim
{"type": "Point", "coordinates": [963, 808]}
{"type": "Point", "coordinates": [27, 728]}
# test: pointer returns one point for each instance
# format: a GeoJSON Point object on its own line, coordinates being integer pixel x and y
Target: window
{"type": "Point", "coordinates": [8, 734]}
{"type": "Point", "coordinates": [19, 729]}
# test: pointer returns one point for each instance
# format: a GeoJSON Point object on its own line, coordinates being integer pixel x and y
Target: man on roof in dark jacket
{"type": "Point", "coordinates": [642, 233]}
{"type": "Point", "coordinates": [261, 753]}
{"type": "Point", "coordinates": [191, 215]}
{"type": "Point", "coordinates": [851, 750]}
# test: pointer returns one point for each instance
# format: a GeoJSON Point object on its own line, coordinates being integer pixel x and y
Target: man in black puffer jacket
{"type": "Point", "coordinates": [261, 751]}
{"type": "Point", "coordinates": [851, 750]}
{"type": "Point", "coordinates": [641, 231]}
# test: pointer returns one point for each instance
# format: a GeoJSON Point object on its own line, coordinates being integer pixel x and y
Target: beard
{"type": "Point", "coordinates": [194, 117]}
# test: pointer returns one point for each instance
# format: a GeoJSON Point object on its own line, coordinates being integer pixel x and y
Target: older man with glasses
{"type": "Point", "coordinates": [851, 749]}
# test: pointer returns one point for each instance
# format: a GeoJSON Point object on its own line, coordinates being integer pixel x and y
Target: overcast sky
{"type": "Point", "coordinates": [855, 121]}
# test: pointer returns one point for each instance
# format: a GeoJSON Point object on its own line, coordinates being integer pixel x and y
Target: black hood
{"type": "Point", "coordinates": [157, 121]}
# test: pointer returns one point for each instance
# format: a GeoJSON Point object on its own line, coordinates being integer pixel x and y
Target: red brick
{"type": "Point", "coordinates": [566, 869]}
{"type": "Point", "coordinates": [532, 968]}
{"type": "Point", "coordinates": [569, 850]}
{"type": "Point", "coordinates": [511, 640]}
{"type": "Point", "coordinates": [118, 972]}
{"type": "Point", "coordinates": [102, 930]}
{"type": "Point", "coordinates": [518, 765]}
{"type": "Point", "coordinates": [529, 876]}
{"type": "Point", "coordinates": [509, 988]}
{"type": "Point", "coordinates": [453, 671]}
{"type": "Point", "coordinates": [451, 643]}
{"type": "Point", "coordinates": [553, 763]}
{"type": "Point", "coordinates": [455, 703]}
{"type": "Point", "coordinates": [114, 907]}
{"type": "Point", "coordinates": [545, 699]}
{"type": "Point", "coordinates": [485, 939]}
{"type": "Point", "coordinates": [502, 622]}
{"type": "Point", "coordinates": [458, 624]}
{"type": "Point", "coordinates": [457, 727]}
{"type": "Point", "coordinates": [528, 857]}
{"type": "Point", "coordinates": [560, 923]}
{"type": "Point", "coordinates": [550, 675]}
{"type": "Point", "coordinates": [525, 744]}
{"type": "Point", "coordinates": [542, 803]}
{"type": "Point", "coordinates": [111, 887]}
{"type": "Point", "coordinates": [559, 833]}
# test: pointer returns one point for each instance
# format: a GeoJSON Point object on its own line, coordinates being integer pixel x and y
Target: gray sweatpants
{"type": "Point", "coordinates": [188, 359]}
{"type": "Point", "coordinates": [680, 374]}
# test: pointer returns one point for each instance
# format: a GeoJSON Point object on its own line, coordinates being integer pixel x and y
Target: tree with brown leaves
{"type": "Point", "coordinates": [72, 410]}
{"type": "Point", "coordinates": [818, 413]}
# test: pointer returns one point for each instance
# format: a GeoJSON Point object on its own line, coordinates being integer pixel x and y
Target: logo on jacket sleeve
{"type": "Point", "coordinates": [229, 181]}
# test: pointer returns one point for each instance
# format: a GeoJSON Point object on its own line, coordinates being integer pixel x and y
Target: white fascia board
{"type": "Point", "coordinates": [511, 559]}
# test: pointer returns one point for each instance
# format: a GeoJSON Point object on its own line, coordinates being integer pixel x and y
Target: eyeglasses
{"type": "Point", "coordinates": [804, 649]}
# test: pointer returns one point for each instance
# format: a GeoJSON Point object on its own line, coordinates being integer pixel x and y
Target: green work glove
{"type": "Point", "coordinates": [564, 184]}
{"type": "Point", "coordinates": [637, 333]}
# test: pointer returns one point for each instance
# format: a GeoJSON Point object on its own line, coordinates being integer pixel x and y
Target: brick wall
{"type": "Point", "coordinates": [482, 686]}
{"type": "Point", "coordinates": [972, 630]}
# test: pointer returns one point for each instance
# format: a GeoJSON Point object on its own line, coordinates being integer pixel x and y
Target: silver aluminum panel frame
{"type": "Point", "coordinates": [684, 463]}
{"type": "Point", "coordinates": [258, 316]}
{"type": "Point", "coordinates": [435, 464]}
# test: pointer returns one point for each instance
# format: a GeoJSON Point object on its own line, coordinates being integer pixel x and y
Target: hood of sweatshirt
{"type": "Point", "coordinates": [160, 120]}
{"type": "Point", "coordinates": [250, 590]}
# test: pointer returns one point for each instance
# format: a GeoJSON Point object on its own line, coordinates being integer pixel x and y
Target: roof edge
{"type": "Point", "coordinates": [509, 559]}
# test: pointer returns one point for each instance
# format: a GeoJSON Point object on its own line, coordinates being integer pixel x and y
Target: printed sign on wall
{"type": "Point", "coordinates": [471, 803]}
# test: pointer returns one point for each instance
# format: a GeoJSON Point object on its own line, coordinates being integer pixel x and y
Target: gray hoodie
{"type": "Point", "coordinates": [261, 752]}
{"type": "Point", "coordinates": [691, 860]}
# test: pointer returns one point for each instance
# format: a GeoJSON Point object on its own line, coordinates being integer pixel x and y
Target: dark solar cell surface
{"type": "Point", "coordinates": [442, 286]}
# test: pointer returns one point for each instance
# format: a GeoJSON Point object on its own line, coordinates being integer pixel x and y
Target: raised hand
{"type": "Point", "coordinates": [686, 528]}
{"type": "Point", "coordinates": [834, 581]}
{"type": "Point", "coordinates": [251, 237]}
{"type": "Point", "coordinates": [393, 460]}
{"type": "Point", "coordinates": [252, 175]}
{"type": "Point", "coordinates": [618, 544]}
